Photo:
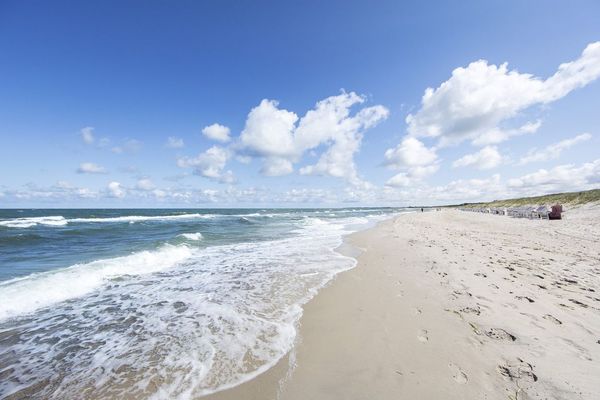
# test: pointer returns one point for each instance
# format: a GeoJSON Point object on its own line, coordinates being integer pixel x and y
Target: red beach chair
{"type": "Point", "coordinates": [556, 212]}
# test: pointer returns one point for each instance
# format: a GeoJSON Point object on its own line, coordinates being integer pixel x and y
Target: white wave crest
{"type": "Point", "coordinates": [140, 218]}
{"type": "Point", "coordinates": [192, 236]}
{"type": "Point", "coordinates": [61, 221]}
{"type": "Point", "coordinates": [33, 221]}
{"type": "Point", "coordinates": [24, 295]}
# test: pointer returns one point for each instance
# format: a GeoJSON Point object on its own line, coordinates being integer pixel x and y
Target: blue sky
{"type": "Point", "coordinates": [91, 92]}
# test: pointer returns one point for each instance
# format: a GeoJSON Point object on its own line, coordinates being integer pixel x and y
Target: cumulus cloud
{"type": "Point", "coordinates": [479, 99]}
{"type": "Point", "coordinates": [269, 131]}
{"type": "Point", "coordinates": [280, 137]}
{"type": "Point", "coordinates": [87, 135]}
{"type": "Point", "coordinates": [486, 158]}
{"type": "Point", "coordinates": [411, 152]}
{"type": "Point", "coordinates": [217, 132]}
{"type": "Point", "coordinates": [276, 166]}
{"type": "Point", "coordinates": [553, 151]}
{"type": "Point", "coordinates": [210, 164]}
{"type": "Point", "coordinates": [412, 176]}
{"type": "Point", "coordinates": [415, 159]}
{"type": "Point", "coordinates": [145, 184]}
{"type": "Point", "coordinates": [90, 168]}
{"type": "Point", "coordinates": [174, 142]}
{"type": "Point", "coordinates": [560, 178]}
{"type": "Point", "coordinates": [115, 189]}
{"type": "Point", "coordinates": [497, 135]}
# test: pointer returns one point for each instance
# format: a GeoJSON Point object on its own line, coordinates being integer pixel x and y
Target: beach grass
{"type": "Point", "coordinates": [571, 198]}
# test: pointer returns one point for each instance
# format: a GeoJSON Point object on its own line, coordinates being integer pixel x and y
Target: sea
{"type": "Point", "coordinates": [159, 303]}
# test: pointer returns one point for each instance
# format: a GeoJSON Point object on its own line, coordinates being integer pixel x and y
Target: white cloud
{"type": "Point", "coordinates": [86, 193]}
{"type": "Point", "coordinates": [210, 164]}
{"type": "Point", "coordinates": [276, 166]}
{"type": "Point", "coordinates": [56, 194]}
{"type": "Point", "coordinates": [486, 158]}
{"type": "Point", "coordinates": [553, 151]}
{"type": "Point", "coordinates": [399, 180]}
{"type": "Point", "coordinates": [90, 168]}
{"type": "Point", "coordinates": [174, 142]}
{"type": "Point", "coordinates": [412, 156]}
{"type": "Point", "coordinates": [478, 99]}
{"type": "Point", "coordinates": [469, 189]}
{"type": "Point", "coordinates": [145, 184]}
{"type": "Point", "coordinates": [411, 152]}
{"type": "Point", "coordinates": [280, 138]}
{"type": "Point", "coordinates": [159, 193]}
{"type": "Point", "coordinates": [497, 135]}
{"type": "Point", "coordinates": [115, 189]}
{"type": "Point", "coordinates": [560, 178]}
{"type": "Point", "coordinates": [87, 134]}
{"type": "Point", "coordinates": [269, 131]}
{"type": "Point", "coordinates": [217, 132]}
{"type": "Point", "coordinates": [412, 176]}
{"type": "Point", "coordinates": [331, 123]}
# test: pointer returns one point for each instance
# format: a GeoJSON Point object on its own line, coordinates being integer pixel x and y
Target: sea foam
{"type": "Point", "coordinates": [33, 221]}
{"type": "Point", "coordinates": [192, 236]}
{"type": "Point", "coordinates": [24, 295]}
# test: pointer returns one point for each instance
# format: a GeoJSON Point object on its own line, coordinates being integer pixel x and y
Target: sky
{"type": "Point", "coordinates": [296, 103]}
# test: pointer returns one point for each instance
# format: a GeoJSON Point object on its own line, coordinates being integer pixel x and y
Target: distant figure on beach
{"type": "Point", "coordinates": [556, 212]}
{"type": "Point", "coordinates": [421, 209]}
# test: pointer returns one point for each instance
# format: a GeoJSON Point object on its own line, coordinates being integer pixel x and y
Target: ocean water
{"type": "Point", "coordinates": [163, 304]}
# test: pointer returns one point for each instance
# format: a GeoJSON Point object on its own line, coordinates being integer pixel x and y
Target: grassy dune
{"type": "Point", "coordinates": [573, 198]}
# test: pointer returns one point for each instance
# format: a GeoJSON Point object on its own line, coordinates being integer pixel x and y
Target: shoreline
{"type": "Point", "coordinates": [452, 305]}
{"type": "Point", "coordinates": [269, 384]}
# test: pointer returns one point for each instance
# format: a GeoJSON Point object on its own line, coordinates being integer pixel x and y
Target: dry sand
{"type": "Point", "coordinates": [453, 305]}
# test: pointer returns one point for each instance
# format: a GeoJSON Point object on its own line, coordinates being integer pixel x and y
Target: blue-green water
{"type": "Point", "coordinates": [158, 303]}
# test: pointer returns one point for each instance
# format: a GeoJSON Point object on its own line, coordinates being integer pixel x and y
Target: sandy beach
{"type": "Point", "coordinates": [453, 305]}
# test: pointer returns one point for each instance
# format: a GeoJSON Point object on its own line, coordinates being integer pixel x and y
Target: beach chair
{"type": "Point", "coordinates": [556, 212]}
{"type": "Point", "coordinates": [542, 212]}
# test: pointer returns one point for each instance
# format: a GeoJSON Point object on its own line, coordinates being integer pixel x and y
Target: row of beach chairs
{"type": "Point", "coordinates": [541, 212]}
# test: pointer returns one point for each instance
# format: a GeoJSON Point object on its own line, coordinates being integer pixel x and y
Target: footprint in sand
{"type": "Point", "coordinates": [458, 374]}
{"type": "Point", "coordinates": [499, 334]}
{"type": "Point", "coordinates": [422, 336]}
{"type": "Point", "coordinates": [529, 299]}
{"type": "Point", "coordinates": [519, 371]}
{"type": "Point", "coordinates": [553, 319]}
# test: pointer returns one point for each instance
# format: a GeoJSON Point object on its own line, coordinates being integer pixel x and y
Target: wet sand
{"type": "Point", "coordinates": [453, 305]}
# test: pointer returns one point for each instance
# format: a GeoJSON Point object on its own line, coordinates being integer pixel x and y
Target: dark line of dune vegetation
{"type": "Point", "coordinates": [571, 198]}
